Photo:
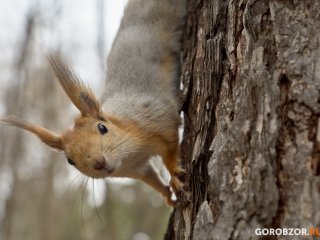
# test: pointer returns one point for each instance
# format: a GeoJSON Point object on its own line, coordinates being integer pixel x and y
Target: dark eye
{"type": "Point", "coordinates": [71, 162]}
{"type": "Point", "coordinates": [102, 129]}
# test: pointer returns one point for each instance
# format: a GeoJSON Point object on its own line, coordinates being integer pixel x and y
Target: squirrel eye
{"type": "Point", "coordinates": [102, 129]}
{"type": "Point", "coordinates": [71, 162]}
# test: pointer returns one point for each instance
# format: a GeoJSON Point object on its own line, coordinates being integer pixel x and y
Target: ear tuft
{"type": "Point", "coordinates": [80, 94]}
{"type": "Point", "coordinates": [51, 139]}
{"type": "Point", "coordinates": [91, 104]}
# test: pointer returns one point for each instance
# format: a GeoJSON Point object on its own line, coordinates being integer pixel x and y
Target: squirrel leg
{"type": "Point", "coordinates": [172, 162]}
{"type": "Point", "coordinates": [151, 177]}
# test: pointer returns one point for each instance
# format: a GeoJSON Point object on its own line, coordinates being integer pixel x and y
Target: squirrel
{"type": "Point", "coordinates": [137, 116]}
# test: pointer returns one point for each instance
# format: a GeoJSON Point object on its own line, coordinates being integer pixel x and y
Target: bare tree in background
{"type": "Point", "coordinates": [101, 39]}
{"type": "Point", "coordinates": [251, 146]}
{"type": "Point", "coordinates": [13, 99]}
{"type": "Point", "coordinates": [31, 196]}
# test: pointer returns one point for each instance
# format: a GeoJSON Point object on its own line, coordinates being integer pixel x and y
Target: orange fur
{"type": "Point", "coordinates": [164, 143]}
{"type": "Point", "coordinates": [81, 96]}
{"type": "Point", "coordinates": [51, 139]}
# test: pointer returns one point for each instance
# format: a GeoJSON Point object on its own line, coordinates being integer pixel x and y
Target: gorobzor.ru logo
{"type": "Point", "coordinates": [282, 232]}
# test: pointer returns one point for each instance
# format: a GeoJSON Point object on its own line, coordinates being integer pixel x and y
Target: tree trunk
{"type": "Point", "coordinates": [251, 144]}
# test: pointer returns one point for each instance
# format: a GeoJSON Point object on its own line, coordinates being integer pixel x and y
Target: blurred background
{"type": "Point", "coordinates": [41, 196]}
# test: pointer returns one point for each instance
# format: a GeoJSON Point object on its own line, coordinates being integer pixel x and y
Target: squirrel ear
{"type": "Point", "coordinates": [81, 96]}
{"type": "Point", "coordinates": [51, 139]}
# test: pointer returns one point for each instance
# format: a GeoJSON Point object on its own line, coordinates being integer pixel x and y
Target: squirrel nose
{"type": "Point", "coordinates": [100, 164]}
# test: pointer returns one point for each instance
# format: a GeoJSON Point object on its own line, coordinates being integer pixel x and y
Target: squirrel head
{"type": "Point", "coordinates": [97, 144]}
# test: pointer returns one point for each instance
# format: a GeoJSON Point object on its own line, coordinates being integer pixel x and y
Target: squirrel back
{"type": "Point", "coordinates": [143, 66]}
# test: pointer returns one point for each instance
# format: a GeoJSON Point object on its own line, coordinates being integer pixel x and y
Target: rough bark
{"type": "Point", "coordinates": [251, 144]}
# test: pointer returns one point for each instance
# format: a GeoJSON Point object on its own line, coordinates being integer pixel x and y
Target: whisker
{"type": "Point", "coordinates": [83, 179]}
{"type": "Point", "coordinates": [82, 200]}
{"type": "Point", "coordinates": [94, 201]}
{"type": "Point", "coordinates": [128, 152]}
{"type": "Point", "coordinates": [116, 141]}
{"type": "Point", "coordinates": [118, 145]}
{"type": "Point", "coordinates": [72, 201]}
{"type": "Point", "coordinates": [75, 181]}
{"type": "Point", "coordinates": [119, 139]}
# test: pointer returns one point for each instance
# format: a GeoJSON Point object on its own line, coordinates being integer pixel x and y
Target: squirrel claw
{"type": "Point", "coordinates": [176, 184]}
{"type": "Point", "coordinates": [176, 178]}
{"type": "Point", "coordinates": [179, 170]}
{"type": "Point", "coordinates": [179, 173]}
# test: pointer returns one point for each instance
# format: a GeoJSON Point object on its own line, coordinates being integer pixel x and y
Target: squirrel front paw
{"type": "Point", "coordinates": [175, 182]}
{"type": "Point", "coordinates": [179, 172]}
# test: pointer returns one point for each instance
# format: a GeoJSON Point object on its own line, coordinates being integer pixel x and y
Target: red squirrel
{"type": "Point", "coordinates": [137, 116]}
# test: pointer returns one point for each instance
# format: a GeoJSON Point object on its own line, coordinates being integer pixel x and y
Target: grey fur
{"type": "Point", "coordinates": [134, 77]}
